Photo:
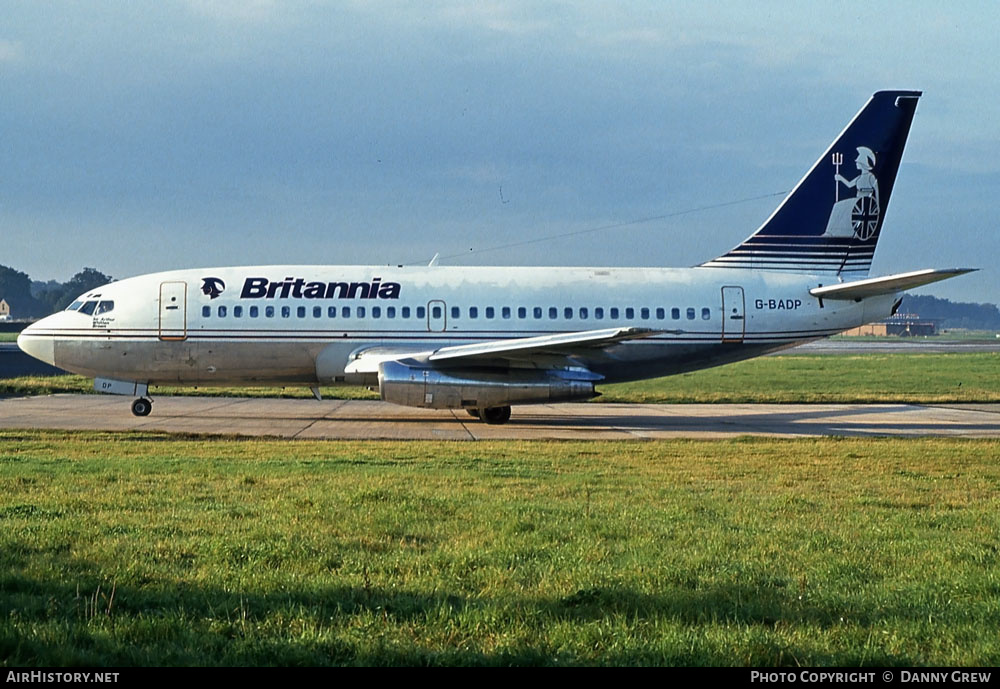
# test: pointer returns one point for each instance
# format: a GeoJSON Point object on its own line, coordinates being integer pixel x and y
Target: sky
{"type": "Point", "coordinates": [147, 136]}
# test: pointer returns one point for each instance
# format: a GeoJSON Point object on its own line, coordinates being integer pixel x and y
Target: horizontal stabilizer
{"type": "Point", "coordinates": [889, 284]}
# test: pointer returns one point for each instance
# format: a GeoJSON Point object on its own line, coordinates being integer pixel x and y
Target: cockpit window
{"type": "Point", "coordinates": [74, 306]}
{"type": "Point", "coordinates": [104, 307]}
{"type": "Point", "coordinates": [89, 307]}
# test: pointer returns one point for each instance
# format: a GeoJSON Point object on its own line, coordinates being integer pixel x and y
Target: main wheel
{"type": "Point", "coordinates": [474, 413]}
{"type": "Point", "coordinates": [142, 407]}
{"type": "Point", "coordinates": [496, 415]}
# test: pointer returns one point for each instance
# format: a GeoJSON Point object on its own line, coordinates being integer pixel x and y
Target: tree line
{"type": "Point", "coordinates": [28, 299]}
{"type": "Point", "coordinates": [952, 314]}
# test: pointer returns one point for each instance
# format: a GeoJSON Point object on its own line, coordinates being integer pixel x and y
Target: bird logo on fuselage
{"type": "Point", "coordinates": [213, 287]}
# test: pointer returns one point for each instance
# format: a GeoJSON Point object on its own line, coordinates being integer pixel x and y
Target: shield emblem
{"type": "Point", "coordinates": [864, 217]}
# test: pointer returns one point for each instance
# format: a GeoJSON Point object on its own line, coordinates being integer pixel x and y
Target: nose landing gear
{"type": "Point", "coordinates": [142, 406]}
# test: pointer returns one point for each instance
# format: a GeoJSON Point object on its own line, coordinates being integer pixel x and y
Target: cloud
{"type": "Point", "coordinates": [11, 51]}
{"type": "Point", "coordinates": [240, 11]}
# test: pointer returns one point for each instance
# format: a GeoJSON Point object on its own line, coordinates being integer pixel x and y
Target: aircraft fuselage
{"type": "Point", "coordinates": [303, 325]}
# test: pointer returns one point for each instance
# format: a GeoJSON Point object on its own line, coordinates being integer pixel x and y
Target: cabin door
{"type": "Point", "coordinates": [437, 318]}
{"type": "Point", "coordinates": [173, 311]}
{"type": "Point", "coordinates": [733, 316]}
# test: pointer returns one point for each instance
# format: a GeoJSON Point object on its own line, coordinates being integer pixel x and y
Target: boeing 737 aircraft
{"type": "Point", "coordinates": [483, 339]}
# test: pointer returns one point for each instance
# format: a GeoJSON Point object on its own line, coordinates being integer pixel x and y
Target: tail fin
{"type": "Point", "coordinates": [830, 222]}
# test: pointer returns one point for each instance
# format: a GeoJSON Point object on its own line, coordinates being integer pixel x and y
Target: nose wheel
{"type": "Point", "coordinates": [142, 406]}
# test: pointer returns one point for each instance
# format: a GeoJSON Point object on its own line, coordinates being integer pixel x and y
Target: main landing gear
{"type": "Point", "coordinates": [142, 406]}
{"type": "Point", "coordinates": [495, 415]}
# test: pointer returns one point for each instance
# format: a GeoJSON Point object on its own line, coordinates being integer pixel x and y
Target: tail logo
{"type": "Point", "coordinates": [857, 216]}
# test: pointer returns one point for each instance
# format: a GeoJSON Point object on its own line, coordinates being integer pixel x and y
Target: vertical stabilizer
{"type": "Point", "coordinates": [831, 220]}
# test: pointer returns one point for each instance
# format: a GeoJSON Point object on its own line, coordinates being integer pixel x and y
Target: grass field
{"type": "Point", "coordinates": [913, 378]}
{"type": "Point", "coordinates": [125, 549]}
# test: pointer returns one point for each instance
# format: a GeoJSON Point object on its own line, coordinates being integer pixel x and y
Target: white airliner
{"type": "Point", "coordinates": [483, 339]}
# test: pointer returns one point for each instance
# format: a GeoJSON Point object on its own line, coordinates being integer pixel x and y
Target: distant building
{"type": "Point", "coordinates": [900, 325]}
{"type": "Point", "coordinates": [4, 310]}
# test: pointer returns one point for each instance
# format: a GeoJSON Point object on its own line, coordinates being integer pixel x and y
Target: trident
{"type": "Point", "coordinates": [837, 160]}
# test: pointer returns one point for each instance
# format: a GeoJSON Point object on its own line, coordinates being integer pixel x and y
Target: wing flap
{"type": "Point", "coordinates": [563, 343]}
{"type": "Point", "coordinates": [889, 284]}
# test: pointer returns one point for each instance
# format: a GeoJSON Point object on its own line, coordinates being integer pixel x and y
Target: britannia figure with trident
{"type": "Point", "coordinates": [856, 216]}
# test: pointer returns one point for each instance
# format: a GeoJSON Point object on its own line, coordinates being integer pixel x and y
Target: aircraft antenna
{"type": "Point", "coordinates": [601, 228]}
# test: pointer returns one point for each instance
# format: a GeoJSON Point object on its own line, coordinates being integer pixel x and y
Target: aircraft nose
{"type": "Point", "coordinates": [35, 344]}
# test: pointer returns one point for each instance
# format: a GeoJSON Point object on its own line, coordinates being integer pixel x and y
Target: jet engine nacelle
{"type": "Point", "coordinates": [470, 388]}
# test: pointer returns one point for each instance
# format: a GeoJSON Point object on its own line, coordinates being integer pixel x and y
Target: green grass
{"type": "Point", "coordinates": [8, 337]}
{"type": "Point", "coordinates": [143, 549]}
{"type": "Point", "coordinates": [911, 378]}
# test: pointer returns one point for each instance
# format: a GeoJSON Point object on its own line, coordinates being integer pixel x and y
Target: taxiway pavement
{"type": "Point", "coordinates": [341, 419]}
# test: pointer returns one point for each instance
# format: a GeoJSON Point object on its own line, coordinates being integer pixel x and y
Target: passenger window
{"type": "Point", "coordinates": [644, 313]}
{"type": "Point", "coordinates": [455, 311]}
{"type": "Point", "coordinates": [490, 313]}
{"type": "Point", "coordinates": [105, 307]}
{"type": "Point", "coordinates": [376, 312]}
{"type": "Point", "coordinates": [254, 311]}
{"type": "Point", "coordinates": [269, 311]}
{"type": "Point", "coordinates": [690, 314]}
{"type": "Point", "coordinates": [505, 312]}
{"type": "Point", "coordinates": [404, 312]}
{"type": "Point", "coordinates": [614, 313]}
{"type": "Point", "coordinates": [286, 311]}
{"type": "Point", "coordinates": [238, 311]}
{"type": "Point", "coordinates": [436, 312]}
{"type": "Point", "coordinates": [422, 312]}
{"type": "Point", "coordinates": [361, 312]}
{"type": "Point", "coordinates": [660, 313]}
{"type": "Point", "coordinates": [346, 312]}
{"type": "Point", "coordinates": [629, 312]}
{"type": "Point", "coordinates": [522, 312]}
{"type": "Point", "coordinates": [222, 312]}
{"type": "Point", "coordinates": [567, 313]}
{"type": "Point", "coordinates": [331, 312]}
{"type": "Point", "coordinates": [537, 312]}
{"type": "Point", "coordinates": [473, 312]}
{"type": "Point", "coordinates": [553, 313]}
{"type": "Point", "coordinates": [599, 313]}
{"type": "Point", "coordinates": [317, 312]}
{"type": "Point", "coordinates": [390, 312]}
{"type": "Point", "coordinates": [675, 313]}
{"type": "Point", "coordinates": [300, 312]}
{"type": "Point", "coordinates": [706, 314]}
{"type": "Point", "coordinates": [89, 307]}
{"type": "Point", "coordinates": [206, 311]}
{"type": "Point", "coordinates": [583, 312]}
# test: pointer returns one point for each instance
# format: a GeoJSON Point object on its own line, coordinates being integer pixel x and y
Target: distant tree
{"type": "Point", "coordinates": [15, 287]}
{"type": "Point", "coordinates": [951, 314]}
{"type": "Point", "coordinates": [87, 279]}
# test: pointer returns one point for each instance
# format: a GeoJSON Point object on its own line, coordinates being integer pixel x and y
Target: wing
{"type": "Point", "coordinates": [521, 348]}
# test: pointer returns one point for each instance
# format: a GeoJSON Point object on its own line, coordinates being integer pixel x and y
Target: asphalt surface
{"type": "Point", "coordinates": [340, 419]}
{"type": "Point", "coordinates": [15, 363]}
